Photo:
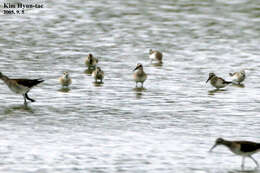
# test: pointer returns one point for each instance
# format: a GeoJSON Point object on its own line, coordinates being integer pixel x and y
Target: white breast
{"type": "Point", "coordinates": [152, 56]}
{"type": "Point", "coordinates": [18, 89]}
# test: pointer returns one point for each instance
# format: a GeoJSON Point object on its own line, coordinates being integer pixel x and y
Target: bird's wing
{"type": "Point", "coordinates": [28, 82]}
{"type": "Point", "coordinates": [247, 146]}
{"type": "Point", "coordinates": [223, 81]}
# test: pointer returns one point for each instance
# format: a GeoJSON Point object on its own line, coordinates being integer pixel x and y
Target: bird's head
{"type": "Point", "coordinates": [98, 69]}
{"type": "Point", "coordinates": [218, 141]}
{"type": "Point", "coordinates": [66, 74]}
{"type": "Point", "coordinates": [243, 72]}
{"type": "Point", "coordinates": [211, 75]}
{"type": "Point", "coordinates": [138, 66]}
{"type": "Point", "coordinates": [90, 56]}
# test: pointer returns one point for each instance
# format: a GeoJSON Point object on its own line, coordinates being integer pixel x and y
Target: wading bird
{"type": "Point", "coordinates": [21, 86]}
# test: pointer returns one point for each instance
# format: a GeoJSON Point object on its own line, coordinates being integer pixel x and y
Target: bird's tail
{"type": "Point", "coordinates": [258, 146]}
{"type": "Point", "coordinates": [37, 81]}
{"type": "Point", "coordinates": [227, 82]}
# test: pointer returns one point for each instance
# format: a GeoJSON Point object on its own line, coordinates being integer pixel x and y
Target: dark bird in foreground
{"type": "Point", "coordinates": [21, 86]}
{"type": "Point", "coordinates": [242, 148]}
{"type": "Point", "coordinates": [217, 82]}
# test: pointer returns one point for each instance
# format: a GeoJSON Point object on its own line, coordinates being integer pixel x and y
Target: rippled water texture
{"type": "Point", "coordinates": [169, 126]}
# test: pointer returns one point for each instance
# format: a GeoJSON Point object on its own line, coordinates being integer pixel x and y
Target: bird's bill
{"type": "Point", "coordinates": [136, 68]}
{"type": "Point", "coordinates": [208, 79]}
{"type": "Point", "coordinates": [214, 146]}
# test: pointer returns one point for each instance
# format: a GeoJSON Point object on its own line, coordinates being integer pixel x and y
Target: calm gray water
{"type": "Point", "coordinates": [166, 128]}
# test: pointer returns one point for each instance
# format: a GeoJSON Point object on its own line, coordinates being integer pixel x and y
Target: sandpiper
{"type": "Point", "coordinates": [139, 75]}
{"type": "Point", "coordinates": [217, 82]}
{"type": "Point", "coordinates": [21, 86]}
{"type": "Point", "coordinates": [65, 79]}
{"type": "Point", "coordinates": [91, 61]}
{"type": "Point", "coordinates": [238, 76]}
{"type": "Point", "coordinates": [242, 148]}
{"type": "Point", "coordinates": [98, 74]}
{"type": "Point", "coordinates": [155, 56]}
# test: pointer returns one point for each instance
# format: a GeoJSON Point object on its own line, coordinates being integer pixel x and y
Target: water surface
{"type": "Point", "coordinates": [167, 127]}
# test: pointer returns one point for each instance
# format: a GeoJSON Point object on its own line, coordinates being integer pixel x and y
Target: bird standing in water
{"type": "Point", "coordinates": [91, 61]}
{"type": "Point", "coordinates": [65, 80]}
{"type": "Point", "coordinates": [139, 75]}
{"type": "Point", "coordinates": [98, 74]}
{"type": "Point", "coordinates": [242, 148]}
{"type": "Point", "coordinates": [155, 55]}
{"type": "Point", "coordinates": [238, 76]}
{"type": "Point", "coordinates": [21, 86]}
{"type": "Point", "coordinates": [217, 82]}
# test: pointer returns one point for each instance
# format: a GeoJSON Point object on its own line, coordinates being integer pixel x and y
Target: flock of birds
{"type": "Point", "coordinates": [140, 76]}
{"type": "Point", "coordinates": [242, 148]}
{"type": "Point", "coordinates": [91, 62]}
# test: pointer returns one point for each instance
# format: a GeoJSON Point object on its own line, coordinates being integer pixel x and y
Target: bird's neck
{"type": "Point", "coordinates": [141, 69]}
{"type": "Point", "coordinates": [4, 78]}
{"type": "Point", "coordinates": [214, 78]}
{"type": "Point", "coordinates": [227, 143]}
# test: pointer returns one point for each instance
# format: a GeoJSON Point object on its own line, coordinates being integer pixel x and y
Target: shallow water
{"type": "Point", "coordinates": [167, 127]}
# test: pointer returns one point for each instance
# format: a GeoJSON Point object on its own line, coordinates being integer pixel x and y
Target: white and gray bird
{"type": "Point", "coordinates": [238, 76]}
{"type": "Point", "coordinates": [139, 75]}
{"type": "Point", "coordinates": [65, 80]}
{"type": "Point", "coordinates": [155, 55]}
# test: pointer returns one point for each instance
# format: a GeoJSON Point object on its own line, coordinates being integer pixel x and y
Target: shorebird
{"type": "Point", "coordinates": [217, 82]}
{"type": "Point", "coordinates": [139, 75]}
{"type": "Point", "coordinates": [242, 148]}
{"type": "Point", "coordinates": [65, 80]}
{"type": "Point", "coordinates": [98, 74]}
{"type": "Point", "coordinates": [91, 61]}
{"type": "Point", "coordinates": [155, 56]}
{"type": "Point", "coordinates": [238, 76]}
{"type": "Point", "coordinates": [21, 86]}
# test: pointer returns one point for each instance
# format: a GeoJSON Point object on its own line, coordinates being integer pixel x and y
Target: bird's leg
{"type": "Point", "coordinates": [136, 84]}
{"type": "Point", "coordinates": [24, 98]}
{"type": "Point", "coordinates": [142, 84]}
{"type": "Point", "coordinates": [243, 162]}
{"type": "Point", "coordinates": [257, 165]}
{"type": "Point", "coordinates": [26, 95]}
